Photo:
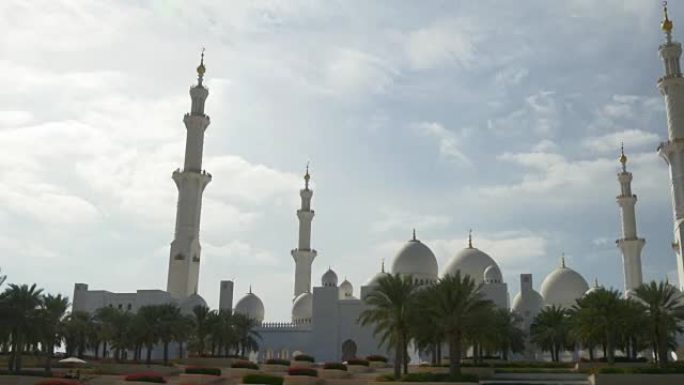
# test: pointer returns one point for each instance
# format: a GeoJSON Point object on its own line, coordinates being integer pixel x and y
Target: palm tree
{"type": "Point", "coordinates": [506, 335]}
{"type": "Point", "coordinates": [664, 313]}
{"type": "Point", "coordinates": [145, 328]}
{"type": "Point", "coordinates": [183, 331]}
{"type": "Point", "coordinates": [245, 335]}
{"type": "Point", "coordinates": [51, 315]}
{"type": "Point", "coordinates": [168, 317]}
{"type": "Point", "coordinates": [22, 303]}
{"type": "Point", "coordinates": [389, 311]}
{"type": "Point", "coordinates": [600, 315]}
{"type": "Point", "coordinates": [549, 330]}
{"type": "Point", "coordinates": [201, 315]}
{"type": "Point", "coordinates": [78, 330]}
{"type": "Point", "coordinates": [457, 304]}
{"type": "Point", "coordinates": [105, 318]}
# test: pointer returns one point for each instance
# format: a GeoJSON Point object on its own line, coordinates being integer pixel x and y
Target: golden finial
{"type": "Point", "coordinates": [563, 259]}
{"type": "Point", "coordinates": [470, 238]}
{"type": "Point", "coordinates": [666, 25]}
{"type": "Point", "coordinates": [307, 176]}
{"type": "Point", "coordinates": [414, 235]}
{"type": "Point", "coordinates": [623, 157]}
{"type": "Point", "coordinates": [382, 266]}
{"type": "Point", "coordinates": [201, 69]}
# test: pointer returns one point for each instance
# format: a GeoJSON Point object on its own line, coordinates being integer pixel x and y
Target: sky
{"type": "Point", "coordinates": [503, 117]}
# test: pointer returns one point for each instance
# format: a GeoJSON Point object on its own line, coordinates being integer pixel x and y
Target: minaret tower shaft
{"type": "Point", "coordinates": [184, 259]}
{"type": "Point", "coordinates": [304, 255]}
{"type": "Point", "coordinates": [630, 244]}
{"type": "Point", "coordinates": [671, 86]}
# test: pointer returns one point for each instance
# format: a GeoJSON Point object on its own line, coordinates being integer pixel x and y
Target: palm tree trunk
{"type": "Point", "coordinates": [397, 361]}
{"type": "Point", "coordinates": [591, 353]}
{"type": "Point", "coordinates": [48, 358]}
{"type": "Point", "coordinates": [455, 354]}
{"type": "Point", "coordinates": [166, 352]}
{"type": "Point", "coordinates": [610, 349]}
{"type": "Point", "coordinates": [180, 349]}
{"type": "Point", "coordinates": [149, 355]}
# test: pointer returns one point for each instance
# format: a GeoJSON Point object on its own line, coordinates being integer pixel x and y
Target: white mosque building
{"type": "Point", "coordinates": [324, 317]}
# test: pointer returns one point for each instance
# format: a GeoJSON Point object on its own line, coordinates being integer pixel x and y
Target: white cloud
{"type": "Point", "coordinates": [610, 143]}
{"type": "Point", "coordinates": [444, 42]}
{"type": "Point", "coordinates": [448, 141]}
{"type": "Point", "coordinates": [401, 219]}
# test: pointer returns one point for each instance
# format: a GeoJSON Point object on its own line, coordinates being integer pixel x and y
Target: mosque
{"type": "Point", "coordinates": [324, 317]}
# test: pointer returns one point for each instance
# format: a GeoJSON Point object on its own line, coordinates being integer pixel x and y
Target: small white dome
{"type": "Point", "coordinates": [417, 260]}
{"type": "Point", "coordinates": [251, 306]}
{"type": "Point", "coordinates": [329, 278]}
{"type": "Point", "coordinates": [302, 308]}
{"type": "Point", "coordinates": [470, 261]}
{"type": "Point", "coordinates": [528, 304]}
{"type": "Point", "coordinates": [346, 290]}
{"type": "Point", "coordinates": [188, 303]}
{"type": "Point", "coordinates": [563, 286]}
{"type": "Point", "coordinates": [594, 288]}
{"type": "Point", "coordinates": [492, 274]}
{"type": "Point", "coordinates": [374, 281]}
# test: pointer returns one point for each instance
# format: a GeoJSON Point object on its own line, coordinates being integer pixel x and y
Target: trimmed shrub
{"type": "Point", "coordinates": [244, 365]}
{"type": "Point", "coordinates": [335, 365]}
{"type": "Point", "coordinates": [58, 382]}
{"type": "Point", "coordinates": [357, 361]}
{"type": "Point", "coordinates": [302, 372]}
{"type": "Point", "coordinates": [153, 377]}
{"type": "Point", "coordinates": [438, 377]}
{"type": "Point", "coordinates": [262, 379]}
{"type": "Point", "coordinates": [277, 361]}
{"type": "Point", "coordinates": [201, 370]}
{"type": "Point", "coordinates": [670, 369]}
{"type": "Point", "coordinates": [27, 373]}
{"type": "Point", "coordinates": [304, 357]}
{"type": "Point", "coordinates": [376, 358]}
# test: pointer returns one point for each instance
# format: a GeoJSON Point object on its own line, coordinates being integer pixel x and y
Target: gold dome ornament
{"type": "Point", "coordinates": [623, 157]}
{"type": "Point", "coordinates": [201, 69]}
{"type": "Point", "coordinates": [666, 25]}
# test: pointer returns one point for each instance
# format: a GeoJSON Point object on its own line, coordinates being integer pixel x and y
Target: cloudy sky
{"type": "Point", "coordinates": [440, 115]}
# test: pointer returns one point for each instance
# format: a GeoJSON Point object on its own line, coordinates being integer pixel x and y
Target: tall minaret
{"type": "Point", "coordinates": [671, 85]}
{"type": "Point", "coordinates": [304, 255]}
{"type": "Point", "coordinates": [629, 244]}
{"type": "Point", "coordinates": [185, 253]}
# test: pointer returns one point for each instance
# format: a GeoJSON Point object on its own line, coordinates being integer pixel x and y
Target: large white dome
{"type": "Point", "coordinates": [470, 261]}
{"type": "Point", "coordinates": [188, 303]}
{"type": "Point", "coordinates": [417, 260]}
{"type": "Point", "coordinates": [528, 305]}
{"type": "Point", "coordinates": [329, 278]}
{"type": "Point", "coordinates": [563, 286]}
{"type": "Point", "coordinates": [302, 308]}
{"type": "Point", "coordinates": [251, 306]}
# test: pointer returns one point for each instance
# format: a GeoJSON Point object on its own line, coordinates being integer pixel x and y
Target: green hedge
{"type": "Point", "coordinates": [356, 361]}
{"type": "Point", "coordinates": [244, 365]}
{"type": "Point", "coordinates": [670, 369]}
{"type": "Point", "coordinates": [304, 357]}
{"type": "Point", "coordinates": [262, 379]}
{"type": "Point", "coordinates": [335, 365]}
{"type": "Point", "coordinates": [376, 358]}
{"type": "Point", "coordinates": [201, 370]}
{"type": "Point", "coordinates": [277, 361]}
{"type": "Point", "coordinates": [430, 377]}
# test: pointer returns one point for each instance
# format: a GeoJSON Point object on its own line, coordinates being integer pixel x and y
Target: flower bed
{"type": "Point", "coordinates": [203, 370]}
{"type": "Point", "coordinates": [153, 377]}
{"type": "Point", "coordinates": [244, 365]}
{"type": "Point", "coordinates": [304, 357]}
{"type": "Point", "coordinates": [335, 365]}
{"type": "Point", "coordinates": [302, 372]}
{"type": "Point", "coordinates": [262, 379]}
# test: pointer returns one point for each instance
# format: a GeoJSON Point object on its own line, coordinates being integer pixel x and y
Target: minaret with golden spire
{"type": "Point", "coordinates": [184, 258]}
{"type": "Point", "coordinates": [671, 86]}
{"type": "Point", "coordinates": [630, 244]}
{"type": "Point", "coordinates": [304, 255]}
